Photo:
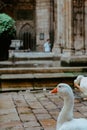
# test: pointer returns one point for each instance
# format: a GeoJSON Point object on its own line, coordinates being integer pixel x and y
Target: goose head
{"type": "Point", "coordinates": [78, 79]}
{"type": "Point", "coordinates": [63, 89]}
{"type": "Point", "coordinates": [66, 114]}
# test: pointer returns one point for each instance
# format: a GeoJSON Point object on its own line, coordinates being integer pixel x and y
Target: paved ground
{"type": "Point", "coordinates": [27, 110]}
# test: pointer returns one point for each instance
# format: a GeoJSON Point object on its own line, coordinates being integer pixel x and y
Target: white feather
{"type": "Point", "coordinates": [82, 81]}
{"type": "Point", "coordinates": [65, 119]}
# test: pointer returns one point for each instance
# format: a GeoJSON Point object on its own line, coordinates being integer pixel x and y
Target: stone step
{"type": "Point", "coordinates": [31, 59]}
{"type": "Point", "coordinates": [19, 55]}
{"type": "Point", "coordinates": [38, 77]}
{"type": "Point", "coordinates": [30, 63]}
{"type": "Point", "coordinates": [36, 71]}
{"type": "Point", "coordinates": [36, 80]}
{"type": "Point", "coordinates": [42, 70]}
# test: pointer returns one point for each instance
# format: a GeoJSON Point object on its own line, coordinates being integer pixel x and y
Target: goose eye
{"type": "Point", "coordinates": [60, 86]}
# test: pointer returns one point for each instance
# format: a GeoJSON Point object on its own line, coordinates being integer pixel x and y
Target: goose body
{"type": "Point", "coordinates": [82, 82]}
{"type": "Point", "coordinates": [65, 119]}
{"type": "Point", "coordinates": [74, 124]}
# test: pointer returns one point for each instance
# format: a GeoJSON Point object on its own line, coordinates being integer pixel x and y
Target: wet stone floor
{"type": "Point", "coordinates": [27, 110]}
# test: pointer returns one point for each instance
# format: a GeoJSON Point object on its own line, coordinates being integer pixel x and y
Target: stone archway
{"type": "Point", "coordinates": [27, 34]}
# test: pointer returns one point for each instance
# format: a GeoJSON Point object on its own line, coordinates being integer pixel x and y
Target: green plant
{"type": "Point", "coordinates": [7, 32]}
{"type": "Point", "coordinates": [7, 24]}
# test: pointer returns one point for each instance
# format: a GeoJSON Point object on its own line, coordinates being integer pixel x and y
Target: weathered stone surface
{"type": "Point", "coordinates": [48, 123]}
{"type": "Point", "coordinates": [12, 124]}
{"type": "Point", "coordinates": [34, 111]}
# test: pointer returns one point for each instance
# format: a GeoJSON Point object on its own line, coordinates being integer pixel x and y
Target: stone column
{"type": "Point", "coordinates": [42, 22]}
{"type": "Point", "coordinates": [64, 39]}
{"type": "Point", "coordinates": [86, 26]}
{"type": "Point", "coordinates": [68, 28]}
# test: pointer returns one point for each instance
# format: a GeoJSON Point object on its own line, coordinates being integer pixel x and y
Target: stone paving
{"type": "Point", "coordinates": [36, 110]}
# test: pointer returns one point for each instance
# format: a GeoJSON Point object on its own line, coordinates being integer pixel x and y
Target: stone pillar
{"type": "Point", "coordinates": [64, 40]}
{"type": "Point", "coordinates": [68, 28]}
{"type": "Point", "coordinates": [42, 22]}
{"type": "Point", "coordinates": [86, 26]}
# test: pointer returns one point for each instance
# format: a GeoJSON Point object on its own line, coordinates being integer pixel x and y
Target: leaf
{"type": "Point", "coordinates": [6, 23]}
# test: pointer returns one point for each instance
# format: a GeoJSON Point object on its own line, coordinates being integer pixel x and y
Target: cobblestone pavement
{"type": "Point", "coordinates": [27, 110]}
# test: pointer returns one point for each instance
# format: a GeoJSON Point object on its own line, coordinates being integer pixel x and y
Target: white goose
{"type": "Point", "coordinates": [65, 119]}
{"type": "Point", "coordinates": [81, 83]}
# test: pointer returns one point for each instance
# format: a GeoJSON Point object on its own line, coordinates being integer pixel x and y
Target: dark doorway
{"type": "Point", "coordinates": [27, 34]}
{"type": "Point", "coordinates": [27, 41]}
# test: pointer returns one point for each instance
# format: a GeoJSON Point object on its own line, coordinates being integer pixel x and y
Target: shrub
{"type": "Point", "coordinates": [7, 32]}
{"type": "Point", "coordinates": [7, 24]}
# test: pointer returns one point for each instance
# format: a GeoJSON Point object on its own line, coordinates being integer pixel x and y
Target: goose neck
{"type": "Point", "coordinates": [66, 113]}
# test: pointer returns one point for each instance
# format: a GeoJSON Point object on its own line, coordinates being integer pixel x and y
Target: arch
{"type": "Point", "coordinates": [27, 35]}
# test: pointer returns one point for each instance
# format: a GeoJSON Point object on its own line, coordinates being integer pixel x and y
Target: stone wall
{"type": "Point", "coordinates": [71, 27]}
{"type": "Point", "coordinates": [42, 22]}
{"type": "Point", "coordinates": [66, 39]}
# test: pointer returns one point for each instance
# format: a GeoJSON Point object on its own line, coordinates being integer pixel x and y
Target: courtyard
{"type": "Point", "coordinates": [26, 71]}
{"type": "Point", "coordinates": [34, 110]}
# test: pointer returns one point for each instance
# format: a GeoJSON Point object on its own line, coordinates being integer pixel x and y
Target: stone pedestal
{"type": "Point", "coordinates": [16, 44]}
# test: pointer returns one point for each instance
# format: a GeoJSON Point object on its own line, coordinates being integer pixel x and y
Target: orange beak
{"type": "Point", "coordinates": [55, 90]}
